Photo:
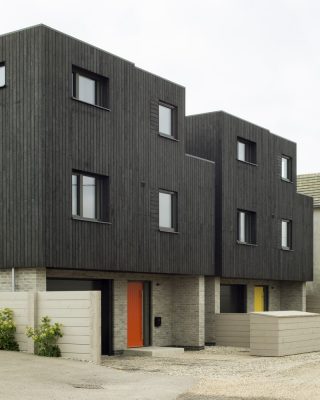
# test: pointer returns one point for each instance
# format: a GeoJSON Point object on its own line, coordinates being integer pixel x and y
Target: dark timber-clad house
{"type": "Point", "coordinates": [105, 184]}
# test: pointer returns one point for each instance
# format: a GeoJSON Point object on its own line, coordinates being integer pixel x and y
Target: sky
{"type": "Point", "coordinates": [256, 59]}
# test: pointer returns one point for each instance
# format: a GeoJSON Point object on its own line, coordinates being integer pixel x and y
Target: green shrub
{"type": "Point", "coordinates": [7, 330]}
{"type": "Point", "coordinates": [45, 338]}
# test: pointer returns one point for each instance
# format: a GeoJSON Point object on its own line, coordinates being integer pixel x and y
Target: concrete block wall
{"type": "Point", "coordinates": [284, 333]}
{"type": "Point", "coordinates": [293, 296]}
{"type": "Point", "coordinates": [22, 305]}
{"type": "Point", "coordinates": [232, 330]}
{"type": "Point", "coordinates": [26, 279]}
{"type": "Point", "coordinates": [79, 312]}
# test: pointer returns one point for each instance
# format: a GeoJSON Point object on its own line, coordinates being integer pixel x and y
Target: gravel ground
{"type": "Point", "coordinates": [226, 373]}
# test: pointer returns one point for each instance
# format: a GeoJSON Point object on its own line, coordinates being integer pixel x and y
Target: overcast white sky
{"type": "Point", "coordinates": [257, 59]}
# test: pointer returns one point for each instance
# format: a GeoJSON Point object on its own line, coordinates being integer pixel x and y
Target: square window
{"type": "Point", "coordinates": [286, 234]}
{"type": "Point", "coordinates": [246, 151]}
{"type": "Point", "coordinates": [90, 88]}
{"type": "Point", "coordinates": [246, 227]}
{"type": "Point", "coordinates": [167, 120]}
{"type": "Point", "coordinates": [286, 168]}
{"type": "Point", "coordinates": [90, 196]}
{"type": "Point", "coordinates": [167, 210]}
{"type": "Point", "coordinates": [2, 75]}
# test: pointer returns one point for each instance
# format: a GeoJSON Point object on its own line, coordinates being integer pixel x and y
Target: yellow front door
{"type": "Point", "coordinates": [259, 298]}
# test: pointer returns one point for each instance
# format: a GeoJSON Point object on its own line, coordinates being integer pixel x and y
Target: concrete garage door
{"type": "Point", "coordinates": [103, 285]}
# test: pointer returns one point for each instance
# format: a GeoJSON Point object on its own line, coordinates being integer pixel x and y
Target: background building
{"type": "Point", "coordinates": [309, 184]}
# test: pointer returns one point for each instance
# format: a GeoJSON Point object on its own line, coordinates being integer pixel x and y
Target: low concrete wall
{"type": "Point", "coordinates": [79, 312]}
{"type": "Point", "coordinates": [20, 303]}
{"type": "Point", "coordinates": [313, 303]}
{"type": "Point", "coordinates": [232, 330]}
{"type": "Point", "coordinates": [284, 333]}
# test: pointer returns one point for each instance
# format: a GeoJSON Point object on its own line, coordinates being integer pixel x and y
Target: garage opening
{"type": "Point", "coordinates": [233, 299]}
{"type": "Point", "coordinates": [102, 285]}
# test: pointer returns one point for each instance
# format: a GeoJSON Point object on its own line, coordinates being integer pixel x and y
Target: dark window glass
{"type": "Point", "coordinates": [167, 210]}
{"type": "Point", "coordinates": [246, 227]}
{"type": "Point", "coordinates": [90, 88]}
{"type": "Point", "coordinates": [90, 196]}
{"type": "Point", "coordinates": [246, 151]}
{"type": "Point", "coordinates": [233, 299]}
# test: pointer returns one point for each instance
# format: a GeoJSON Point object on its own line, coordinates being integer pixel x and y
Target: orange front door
{"type": "Point", "coordinates": [135, 318]}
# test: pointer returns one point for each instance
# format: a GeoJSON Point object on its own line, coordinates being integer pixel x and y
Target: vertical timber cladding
{"type": "Point", "coordinates": [22, 162]}
{"type": "Point", "coordinates": [124, 145]}
{"type": "Point", "coordinates": [253, 188]}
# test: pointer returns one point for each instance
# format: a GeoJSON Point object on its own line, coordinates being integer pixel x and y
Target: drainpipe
{"type": "Point", "coordinates": [13, 280]}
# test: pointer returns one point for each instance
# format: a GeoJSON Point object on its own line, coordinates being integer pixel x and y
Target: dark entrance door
{"type": "Point", "coordinates": [103, 285]}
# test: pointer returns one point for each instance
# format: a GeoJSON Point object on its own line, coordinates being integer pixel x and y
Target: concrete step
{"type": "Point", "coordinates": [153, 351]}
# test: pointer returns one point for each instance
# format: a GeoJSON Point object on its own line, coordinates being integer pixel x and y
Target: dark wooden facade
{"type": "Point", "coordinates": [45, 134]}
{"type": "Point", "coordinates": [257, 188]}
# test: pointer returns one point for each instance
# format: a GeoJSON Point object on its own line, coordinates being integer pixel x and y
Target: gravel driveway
{"type": "Point", "coordinates": [232, 374]}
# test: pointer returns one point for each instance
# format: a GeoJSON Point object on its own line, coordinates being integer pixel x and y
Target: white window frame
{"type": "Point", "coordinates": [3, 67]}
{"type": "Point", "coordinates": [173, 211]}
{"type": "Point", "coordinates": [172, 134]}
{"type": "Point", "coordinates": [286, 234]}
{"type": "Point", "coordinates": [286, 168]}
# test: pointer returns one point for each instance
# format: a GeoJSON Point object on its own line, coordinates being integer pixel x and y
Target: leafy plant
{"type": "Point", "coordinates": [46, 337]}
{"type": "Point", "coordinates": [7, 330]}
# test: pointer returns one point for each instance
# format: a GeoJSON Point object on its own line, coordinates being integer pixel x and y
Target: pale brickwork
{"type": "Point", "coordinates": [119, 314]}
{"type": "Point", "coordinates": [5, 280]}
{"type": "Point", "coordinates": [162, 294]}
{"type": "Point", "coordinates": [188, 311]}
{"type": "Point", "coordinates": [212, 307]}
{"type": "Point", "coordinates": [26, 279]}
{"type": "Point", "coordinates": [293, 296]}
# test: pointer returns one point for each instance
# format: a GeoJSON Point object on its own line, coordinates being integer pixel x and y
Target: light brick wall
{"type": "Point", "coordinates": [293, 296]}
{"type": "Point", "coordinates": [212, 307]}
{"type": "Point", "coordinates": [162, 293]}
{"type": "Point", "coordinates": [26, 280]}
{"type": "Point", "coordinates": [188, 311]}
{"type": "Point", "coordinates": [5, 280]}
{"type": "Point", "coordinates": [119, 314]}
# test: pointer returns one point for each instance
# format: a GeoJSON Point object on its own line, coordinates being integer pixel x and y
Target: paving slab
{"type": "Point", "coordinates": [153, 351]}
{"type": "Point", "coordinates": [27, 377]}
